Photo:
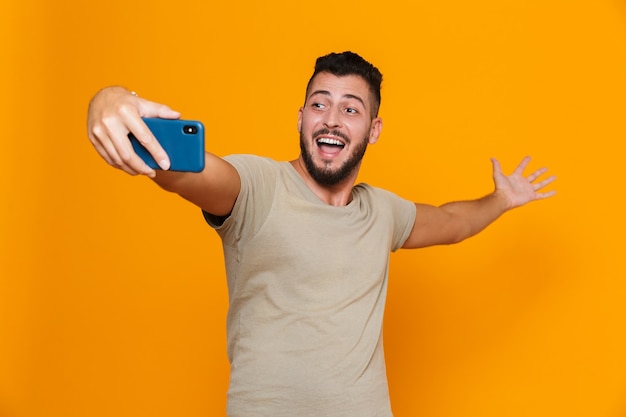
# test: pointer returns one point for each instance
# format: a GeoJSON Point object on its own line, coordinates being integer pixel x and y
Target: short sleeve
{"type": "Point", "coordinates": [258, 184]}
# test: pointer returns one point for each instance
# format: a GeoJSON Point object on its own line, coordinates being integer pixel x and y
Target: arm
{"type": "Point", "coordinates": [456, 221]}
{"type": "Point", "coordinates": [114, 112]}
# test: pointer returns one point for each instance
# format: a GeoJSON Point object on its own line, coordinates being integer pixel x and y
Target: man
{"type": "Point", "coordinates": [306, 249]}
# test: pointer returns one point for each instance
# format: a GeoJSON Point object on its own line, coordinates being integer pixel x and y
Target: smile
{"type": "Point", "coordinates": [330, 142]}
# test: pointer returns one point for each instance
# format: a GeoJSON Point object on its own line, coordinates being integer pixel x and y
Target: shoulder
{"type": "Point", "coordinates": [253, 167]}
{"type": "Point", "coordinates": [386, 205]}
{"type": "Point", "coordinates": [383, 200]}
{"type": "Point", "coordinates": [242, 161]}
{"type": "Point", "coordinates": [258, 177]}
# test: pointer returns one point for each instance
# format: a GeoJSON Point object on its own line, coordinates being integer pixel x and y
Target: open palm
{"type": "Point", "coordinates": [518, 189]}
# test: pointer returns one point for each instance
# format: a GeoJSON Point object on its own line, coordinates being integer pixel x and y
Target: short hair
{"type": "Point", "coordinates": [350, 63]}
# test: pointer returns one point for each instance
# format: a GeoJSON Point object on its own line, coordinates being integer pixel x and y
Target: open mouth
{"type": "Point", "coordinates": [329, 145]}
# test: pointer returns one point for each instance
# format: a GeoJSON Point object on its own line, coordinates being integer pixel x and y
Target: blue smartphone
{"type": "Point", "coordinates": [182, 140]}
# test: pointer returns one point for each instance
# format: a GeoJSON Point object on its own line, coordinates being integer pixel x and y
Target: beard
{"type": "Point", "coordinates": [326, 175]}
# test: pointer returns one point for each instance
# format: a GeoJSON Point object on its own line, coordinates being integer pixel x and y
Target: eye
{"type": "Point", "coordinates": [317, 105]}
{"type": "Point", "coordinates": [351, 110]}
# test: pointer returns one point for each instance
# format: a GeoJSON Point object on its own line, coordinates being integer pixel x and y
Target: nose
{"type": "Point", "coordinates": [332, 119]}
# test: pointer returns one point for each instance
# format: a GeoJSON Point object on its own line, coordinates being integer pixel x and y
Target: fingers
{"type": "Point", "coordinates": [125, 157]}
{"type": "Point", "coordinates": [519, 185]}
{"type": "Point", "coordinates": [147, 139]}
{"type": "Point", "coordinates": [114, 113]}
{"type": "Point", "coordinates": [152, 109]}
{"type": "Point", "coordinates": [545, 195]}
{"type": "Point", "coordinates": [108, 134]}
{"type": "Point", "coordinates": [532, 177]}
{"type": "Point", "coordinates": [522, 166]}
{"type": "Point", "coordinates": [542, 184]}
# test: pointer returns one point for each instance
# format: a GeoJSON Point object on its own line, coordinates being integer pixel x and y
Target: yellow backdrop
{"type": "Point", "coordinates": [112, 292]}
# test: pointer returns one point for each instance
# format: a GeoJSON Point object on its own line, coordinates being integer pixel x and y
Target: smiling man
{"type": "Point", "coordinates": [338, 121]}
{"type": "Point", "coordinates": [307, 249]}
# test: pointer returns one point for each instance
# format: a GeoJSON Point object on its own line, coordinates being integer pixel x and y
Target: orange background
{"type": "Point", "coordinates": [112, 292]}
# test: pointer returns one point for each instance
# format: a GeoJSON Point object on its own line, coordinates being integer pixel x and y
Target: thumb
{"type": "Point", "coordinates": [497, 169]}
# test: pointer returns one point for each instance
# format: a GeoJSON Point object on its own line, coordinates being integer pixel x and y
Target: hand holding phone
{"type": "Point", "coordinates": [182, 140]}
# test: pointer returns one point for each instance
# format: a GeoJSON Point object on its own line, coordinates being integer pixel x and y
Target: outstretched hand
{"type": "Point", "coordinates": [518, 189]}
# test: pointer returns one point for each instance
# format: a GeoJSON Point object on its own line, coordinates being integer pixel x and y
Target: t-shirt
{"type": "Point", "coordinates": [307, 284]}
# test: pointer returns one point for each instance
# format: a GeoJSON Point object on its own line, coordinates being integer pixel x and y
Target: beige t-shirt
{"type": "Point", "coordinates": [307, 286]}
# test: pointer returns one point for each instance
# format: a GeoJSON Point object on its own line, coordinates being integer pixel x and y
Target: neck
{"type": "Point", "coordinates": [336, 195]}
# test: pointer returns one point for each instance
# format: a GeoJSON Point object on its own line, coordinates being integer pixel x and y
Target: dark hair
{"type": "Point", "coordinates": [349, 63]}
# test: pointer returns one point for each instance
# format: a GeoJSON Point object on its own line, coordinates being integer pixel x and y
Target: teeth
{"type": "Point", "coordinates": [329, 141]}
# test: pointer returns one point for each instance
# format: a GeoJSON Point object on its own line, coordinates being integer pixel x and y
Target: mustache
{"type": "Point", "coordinates": [327, 131]}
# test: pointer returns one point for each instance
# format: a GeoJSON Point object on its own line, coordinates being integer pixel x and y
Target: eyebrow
{"type": "Point", "coordinates": [327, 93]}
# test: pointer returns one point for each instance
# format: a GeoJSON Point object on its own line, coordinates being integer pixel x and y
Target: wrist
{"type": "Point", "coordinates": [502, 200]}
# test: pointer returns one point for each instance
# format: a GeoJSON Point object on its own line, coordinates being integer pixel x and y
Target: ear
{"type": "Point", "coordinates": [375, 129]}
{"type": "Point", "coordinates": [300, 120]}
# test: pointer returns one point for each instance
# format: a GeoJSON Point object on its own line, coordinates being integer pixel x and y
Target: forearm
{"type": "Point", "coordinates": [456, 221]}
{"type": "Point", "coordinates": [468, 218]}
{"type": "Point", "coordinates": [215, 189]}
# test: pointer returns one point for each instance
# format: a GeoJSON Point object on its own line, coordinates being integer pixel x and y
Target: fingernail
{"type": "Point", "coordinates": [164, 164]}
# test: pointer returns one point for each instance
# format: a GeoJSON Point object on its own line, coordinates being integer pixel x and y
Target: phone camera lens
{"type": "Point", "coordinates": [190, 129]}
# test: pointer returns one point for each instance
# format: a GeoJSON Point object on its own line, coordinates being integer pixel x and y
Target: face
{"type": "Point", "coordinates": [336, 126]}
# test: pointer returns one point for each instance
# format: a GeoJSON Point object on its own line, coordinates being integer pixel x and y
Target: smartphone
{"type": "Point", "coordinates": [182, 140]}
